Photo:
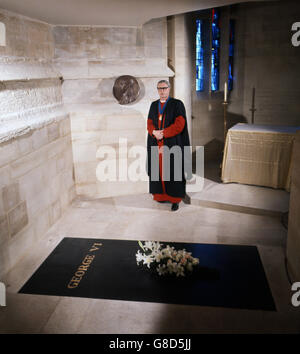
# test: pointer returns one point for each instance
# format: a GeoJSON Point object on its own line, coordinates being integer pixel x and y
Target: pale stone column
{"type": "Point", "coordinates": [181, 61]}
{"type": "Point", "coordinates": [2, 34]}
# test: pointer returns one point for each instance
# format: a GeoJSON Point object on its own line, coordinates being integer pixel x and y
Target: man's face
{"type": "Point", "coordinates": [163, 91]}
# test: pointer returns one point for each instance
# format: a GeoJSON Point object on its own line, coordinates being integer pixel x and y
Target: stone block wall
{"type": "Point", "coordinates": [179, 59]}
{"type": "Point", "coordinates": [271, 62]}
{"type": "Point", "coordinates": [90, 59]}
{"type": "Point", "coordinates": [36, 162]}
{"type": "Point", "coordinates": [30, 87]}
{"type": "Point", "coordinates": [36, 187]}
{"type": "Point", "coordinates": [26, 38]}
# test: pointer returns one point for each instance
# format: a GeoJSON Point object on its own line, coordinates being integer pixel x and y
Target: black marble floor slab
{"type": "Point", "coordinates": [228, 275]}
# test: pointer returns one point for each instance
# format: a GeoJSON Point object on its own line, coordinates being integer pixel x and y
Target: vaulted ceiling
{"type": "Point", "coordinates": [107, 12]}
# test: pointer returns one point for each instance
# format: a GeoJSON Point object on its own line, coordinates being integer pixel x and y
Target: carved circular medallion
{"type": "Point", "coordinates": [126, 89]}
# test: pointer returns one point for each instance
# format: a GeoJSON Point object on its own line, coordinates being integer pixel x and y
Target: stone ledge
{"type": "Point", "coordinates": [104, 69]}
{"type": "Point", "coordinates": [249, 199]}
{"type": "Point", "coordinates": [38, 119]}
{"type": "Point", "coordinates": [22, 68]}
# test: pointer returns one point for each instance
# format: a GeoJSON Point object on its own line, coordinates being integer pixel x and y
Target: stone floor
{"type": "Point", "coordinates": [139, 217]}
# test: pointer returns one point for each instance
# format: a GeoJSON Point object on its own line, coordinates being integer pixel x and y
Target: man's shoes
{"type": "Point", "coordinates": [175, 206]}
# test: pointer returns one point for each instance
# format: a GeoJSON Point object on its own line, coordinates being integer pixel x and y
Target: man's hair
{"type": "Point", "coordinates": [165, 82]}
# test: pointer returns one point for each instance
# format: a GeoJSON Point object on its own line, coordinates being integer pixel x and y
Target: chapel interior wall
{"type": "Point", "coordinates": [264, 59]}
{"type": "Point", "coordinates": [90, 59]}
{"type": "Point", "coordinates": [271, 62]}
{"type": "Point", "coordinates": [36, 162]}
{"type": "Point", "coordinates": [57, 108]}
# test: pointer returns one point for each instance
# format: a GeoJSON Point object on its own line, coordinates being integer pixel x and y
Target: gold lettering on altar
{"type": "Point", "coordinates": [84, 266]}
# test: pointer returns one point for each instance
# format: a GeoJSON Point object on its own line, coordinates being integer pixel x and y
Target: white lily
{"type": "Point", "coordinates": [148, 260]}
{"type": "Point", "coordinates": [158, 257]}
{"type": "Point", "coordinates": [167, 251]}
{"type": "Point", "coordinates": [156, 245]}
{"type": "Point", "coordinates": [148, 245]}
{"type": "Point", "coordinates": [139, 257]}
{"type": "Point", "coordinates": [167, 259]}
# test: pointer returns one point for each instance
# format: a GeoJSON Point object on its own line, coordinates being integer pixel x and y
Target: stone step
{"type": "Point", "coordinates": [242, 198]}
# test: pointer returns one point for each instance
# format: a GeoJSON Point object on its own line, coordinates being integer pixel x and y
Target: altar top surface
{"type": "Point", "coordinates": [265, 128]}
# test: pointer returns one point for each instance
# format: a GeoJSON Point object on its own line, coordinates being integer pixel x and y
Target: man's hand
{"type": "Point", "coordinates": [158, 134]}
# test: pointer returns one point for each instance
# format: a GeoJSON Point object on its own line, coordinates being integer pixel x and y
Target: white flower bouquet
{"type": "Point", "coordinates": [165, 259]}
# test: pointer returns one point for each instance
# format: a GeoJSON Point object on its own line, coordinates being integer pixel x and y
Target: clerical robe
{"type": "Point", "coordinates": [174, 124]}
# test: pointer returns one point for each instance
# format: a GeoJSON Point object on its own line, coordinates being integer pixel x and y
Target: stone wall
{"type": "Point", "coordinates": [90, 59]}
{"type": "Point", "coordinates": [36, 163]}
{"type": "Point", "coordinates": [30, 88]}
{"type": "Point", "coordinates": [179, 60]}
{"type": "Point", "coordinates": [271, 62]}
{"type": "Point", "coordinates": [36, 187]}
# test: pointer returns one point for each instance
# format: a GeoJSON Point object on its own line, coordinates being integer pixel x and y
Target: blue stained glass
{"type": "Point", "coordinates": [231, 53]}
{"type": "Point", "coordinates": [199, 57]}
{"type": "Point", "coordinates": [215, 50]}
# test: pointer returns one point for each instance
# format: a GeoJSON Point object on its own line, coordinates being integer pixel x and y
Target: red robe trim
{"type": "Point", "coordinates": [172, 130]}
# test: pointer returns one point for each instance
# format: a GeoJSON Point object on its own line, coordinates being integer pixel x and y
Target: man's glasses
{"type": "Point", "coordinates": [162, 88]}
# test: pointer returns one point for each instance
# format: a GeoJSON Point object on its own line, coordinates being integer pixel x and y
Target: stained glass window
{"type": "Point", "coordinates": [199, 56]}
{"type": "Point", "coordinates": [231, 53]}
{"type": "Point", "coordinates": [215, 50]}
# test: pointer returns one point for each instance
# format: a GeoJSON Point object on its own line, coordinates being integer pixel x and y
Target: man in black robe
{"type": "Point", "coordinates": [167, 129]}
